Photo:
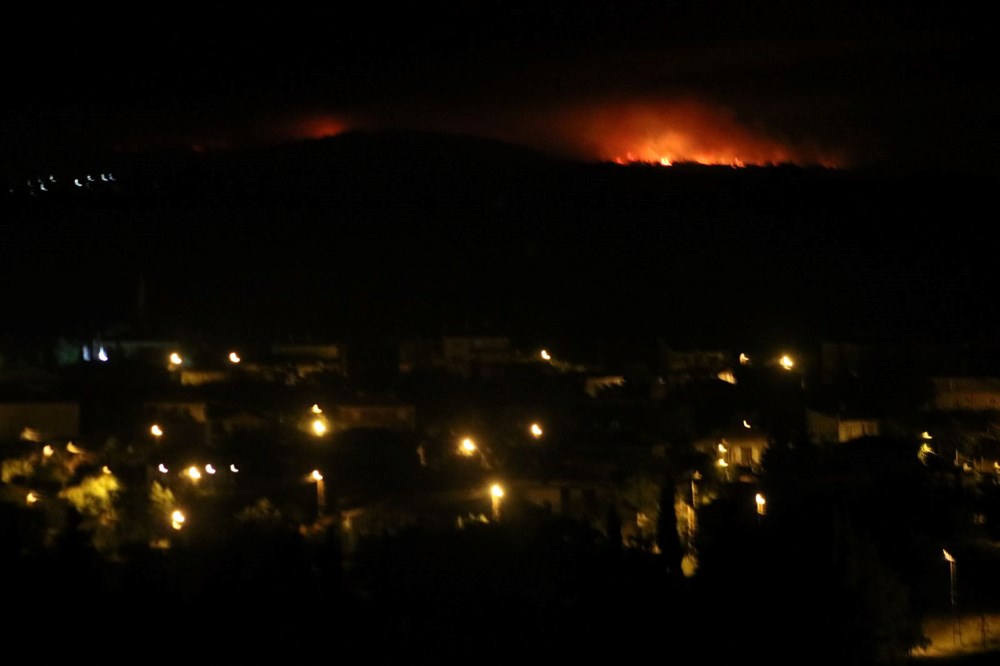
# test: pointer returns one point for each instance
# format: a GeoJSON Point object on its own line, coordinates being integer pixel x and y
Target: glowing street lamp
{"type": "Point", "coordinates": [536, 430]}
{"type": "Point", "coordinates": [953, 575]}
{"type": "Point", "coordinates": [234, 358]}
{"type": "Point", "coordinates": [156, 431]}
{"type": "Point", "coordinates": [315, 409]}
{"type": "Point", "coordinates": [162, 468]}
{"type": "Point", "coordinates": [467, 447]}
{"type": "Point", "coordinates": [496, 494]}
{"type": "Point", "coordinates": [32, 497]}
{"type": "Point", "coordinates": [193, 473]}
{"type": "Point", "coordinates": [744, 359]}
{"type": "Point", "coordinates": [175, 359]}
{"type": "Point", "coordinates": [177, 519]}
{"type": "Point", "coordinates": [47, 450]}
{"type": "Point", "coordinates": [761, 504]}
{"type": "Point", "coordinates": [545, 355]}
{"type": "Point", "coordinates": [320, 491]}
{"type": "Point", "coordinates": [746, 424]}
{"type": "Point", "coordinates": [319, 427]}
{"type": "Point", "coordinates": [786, 362]}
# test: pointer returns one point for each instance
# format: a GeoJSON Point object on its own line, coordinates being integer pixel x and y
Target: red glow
{"type": "Point", "coordinates": [315, 127]}
{"type": "Point", "coordinates": [668, 133]}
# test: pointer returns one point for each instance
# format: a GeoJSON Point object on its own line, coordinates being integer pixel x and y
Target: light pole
{"type": "Point", "coordinates": [496, 493]}
{"type": "Point", "coordinates": [953, 577]}
{"type": "Point", "coordinates": [320, 492]}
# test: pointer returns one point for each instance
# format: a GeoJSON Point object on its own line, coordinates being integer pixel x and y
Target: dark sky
{"type": "Point", "coordinates": [835, 82]}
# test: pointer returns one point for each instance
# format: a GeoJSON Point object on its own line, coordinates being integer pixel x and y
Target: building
{"type": "Point", "coordinates": [837, 428]}
{"type": "Point", "coordinates": [966, 393]}
{"type": "Point", "coordinates": [39, 421]}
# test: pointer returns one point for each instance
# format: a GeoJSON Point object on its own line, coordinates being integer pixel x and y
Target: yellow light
{"type": "Point", "coordinates": [722, 463]}
{"type": "Point", "coordinates": [536, 430]}
{"type": "Point", "coordinates": [163, 468]}
{"type": "Point", "coordinates": [177, 519]}
{"type": "Point", "coordinates": [210, 469]}
{"type": "Point", "coordinates": [175, 358]}
{"type": "Point", "coordinates": [156, 430]}
{"type": "Point", "coordinates": [234, 357]}
{"type": "Point", "coordinates": [31, 498]}
{"type": "Point", "coordinates": [726, 376]}
{"type": "Point", "coordinates": [31, 435]}
{"type": "Point", "coordinates": [948, 556]}
{"type": "Point", "coordinates": [316, 476]}
{"type": "Point", "coordinates": [106, 469]}
{"type": "Point", "coordinates": [925, 435]}
{"type": "Point", "coordinates": [744, 359]}
{"type": "Point", "coordinates": [233, 469]}
{"type": "Point", "coordinates": [545, 355]}
{"type": "Point", "coordinates": [746, 424]}
{"type": "Point", "coordinates": [925, 448]}
{"type": "Point", "coordinates": [73, 448]}
{"type": "Point", "coordinates": [47, 450]}
{"type": "Point", "coordinates": [786, 362]}
{"type": "Point", "coordinates": [496, 490]}
{"type": "Point", "coordinates": [467, 447]}
{"type": "Point", "coordinates": [761, 504]}
{"type": "Point", "coordinates": [193, 472]}
{"type": "Point", "coordinates": [722, 448]}
{"type": "Point", "coordinates": [315, 409]}
{"type": "Point", "coordinates": [319, 427]}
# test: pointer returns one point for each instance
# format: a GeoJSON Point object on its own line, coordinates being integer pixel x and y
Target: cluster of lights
{"type": "Point", "coordinates": [467, 447]}
{"type": "Point", "coordinates": [193, 472]}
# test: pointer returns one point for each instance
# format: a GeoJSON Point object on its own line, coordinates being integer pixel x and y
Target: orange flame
{"type": "Point", "coordinates": [671, 132]}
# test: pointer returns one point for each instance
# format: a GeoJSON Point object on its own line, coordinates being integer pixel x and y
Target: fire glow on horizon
{"type": "Point", "coordinates": [671, 132]}
{"type": "Point", "coordinates": [657, 132]}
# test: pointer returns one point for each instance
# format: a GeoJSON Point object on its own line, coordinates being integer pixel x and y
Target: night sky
{"type": "Point", "coordinates": [383, 234]}
{"type": "Point", "coordinates": [845, 83]}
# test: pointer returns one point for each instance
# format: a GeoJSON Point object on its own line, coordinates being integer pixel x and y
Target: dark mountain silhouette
{"type": "Point", "coordinates": [403, 233]}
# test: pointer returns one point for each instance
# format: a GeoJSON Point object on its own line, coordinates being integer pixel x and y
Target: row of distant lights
{"type": "Point", "coordinates": [43, 183]}
{"type": "Point", "coordinates": [194, 473]}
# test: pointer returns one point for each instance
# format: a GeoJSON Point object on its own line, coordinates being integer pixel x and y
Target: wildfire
{"type": "Point", "coordinates": [666, 133]}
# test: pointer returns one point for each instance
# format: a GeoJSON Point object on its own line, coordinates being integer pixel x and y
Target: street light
{"type": "Point", "coordinates": [319, 427]}
{"type": "Point", "coordinates": [177, 519]}
{"type": "Point", "coordinates": [320, 491]}
{"type": "Point", "coordinates": [956, 629]}
{"type": "Point", "coordinates": [536, 430]}
{"type": "Point", "coordinates": [175, 359]}
{"type": "Point", "coordinates": [546, 356]}
{"type": "Point", "coordinates": [467, 447]}
{"type": "Point", "coordinates": [234, 358]}
{"type": "Point", "coordinates": [761, 504]}
{"type": "Point", "coordinates": [496, 494]}
{"type": "Point", "coordinates": [156, 431]}
{"type": "Point", "coordinates": [786, 362]}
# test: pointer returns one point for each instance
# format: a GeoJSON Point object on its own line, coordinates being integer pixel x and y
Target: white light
{"type": "Point", "coordinates": [52, 179]}
{"type": "Point", "coordinates": [545, 355]}
{"type": "Point", "coordinates": [76, 181]}
{"type": "Point", "coordinates": [86, 353]}
{"type": "Point", "coordinates": [90, 178]}
{"type": "Point", "coordinates": [156, 430]}
{"type": "Point", "coordinates": [234, 469]}
{"type": "Point", "coordinates": [111, 177]}
{"type": "Point", "coordinates": [106, 469]}
{"type": "Point", "coordinates": [948, 556]}
{"type": "Point", "coordinates": [496, 490]}
{"type": "Point", "coordinates": [43, 188]}
{"type": "Point", "coordinates": [316, 476]}
{"type": "Point", "coordinates": [175, 358]}
{"type": "Point", "coordinates": [746, 424]}
{"type": "Point", "coordinates": [163, 468]}
{"type": "Point", "coordinates": [234, 357]}
{"type": "Point", "coordinates": [786, 362]}
{"type": "Point", "coordinates": [104, 177]}
{"type": "Point", "coordinates": [210, 468]}
{"type": "Point", "coordinates": [177, 519]}
{"type": "Point", "coordinates": [536, 430]}
{"type": "Point", "coordinates": [101, 354]}
{"type": "Point", "coordinates": [315, 409]}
